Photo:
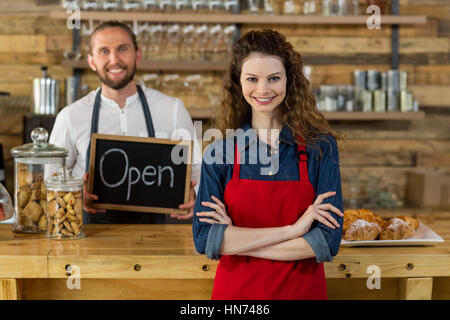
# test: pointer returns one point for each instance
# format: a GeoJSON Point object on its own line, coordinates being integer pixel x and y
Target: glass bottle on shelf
{"type": "Point", "coordinates": [90, 5]}
{"type": "Point", "coordinates": [111, 5]}
{"type": "Point", "coordinates": [187, 42]}
{"type": "Point", "coordinates": [253, 6]}
{"type": "Point", "coordinates": [167, 6]}
{"type": "Point", "coordinates": [183, 5]}
{"type": "Point", "coordinates": [231, 6]}
{"type": "Point", "coordinates": [173, 42]}
{"type": "Point", "coordinates": [67, 4]}
{"type": "Point", "coordinates": [216, 6]}
{"type": "Point", "coordinates": [269, 7]}
{"type": "Point", "coordinates": [150, 5]}
{"type": "Point", "coordinates": [213, 42]}
{"type": "Point", "coordinates": [201, 42]}
{"type": "Point", "coordinates": [229, 33]}
{"type": "Point", "coordinates": [289, 7]}
{"type": "Point", "coordinates": [200, 6]}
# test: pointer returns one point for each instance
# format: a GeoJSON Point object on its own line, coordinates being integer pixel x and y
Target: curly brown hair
{"type": "Point", "coordinates": [298, 109]}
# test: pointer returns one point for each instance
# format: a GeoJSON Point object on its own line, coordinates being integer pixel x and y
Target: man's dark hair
{"type": "Point", "coordinates": [113, 24]}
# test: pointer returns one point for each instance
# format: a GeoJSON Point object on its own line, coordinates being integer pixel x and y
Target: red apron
{"type": "Point", "coordinates": [263, 204]}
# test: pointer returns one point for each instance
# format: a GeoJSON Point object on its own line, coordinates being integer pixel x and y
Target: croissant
{"type": "Point", "coordinates": [397, 229]}
{"type": "Point", "coordinates": [362, 230]}
{"type": "Point", "coordinates": [350, 215]}
{"type": "Point", "coordinates": [410, 220]}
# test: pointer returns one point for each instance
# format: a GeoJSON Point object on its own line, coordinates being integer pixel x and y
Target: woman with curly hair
{"type": "Point", "coordinates": [269, 205]}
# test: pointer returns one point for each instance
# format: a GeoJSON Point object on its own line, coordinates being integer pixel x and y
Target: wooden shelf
{"type": "Point", "coordinates": [163, 65]}
{"type": "Point", "coordinates": [207, 113]}
{"type": "Point", "coordinates": [239, 18]}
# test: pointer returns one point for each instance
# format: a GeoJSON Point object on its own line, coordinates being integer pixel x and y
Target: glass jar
{"type": "Point", "coordinates": [64, 206]}
{"type": "Point", "coordinates": [33, 163]}
{"type": "Point", "coordinates": [6, 205]}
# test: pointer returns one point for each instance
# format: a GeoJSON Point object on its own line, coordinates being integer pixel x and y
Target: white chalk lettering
{"type": "Point", "coordinates": [102, 159]}
{"type": "Point", "coordinates": [133, 175]}
{"type": "Point", "coordinates": [160, 171]}
{"type": "Point", "coordinates": [151, 174]}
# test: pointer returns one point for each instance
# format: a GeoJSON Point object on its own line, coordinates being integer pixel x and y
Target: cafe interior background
{"type": "Point", "coordinates": [396, 156]}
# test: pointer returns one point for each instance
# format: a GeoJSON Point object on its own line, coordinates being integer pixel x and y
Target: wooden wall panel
{"type": "Point", "coordinates": [385, 149]}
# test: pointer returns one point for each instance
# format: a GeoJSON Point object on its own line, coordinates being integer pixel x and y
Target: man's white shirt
{"type": "Point", "coordinates": [72, 128]}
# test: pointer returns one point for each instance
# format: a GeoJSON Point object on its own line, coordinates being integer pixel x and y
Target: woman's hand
{"type": "Point", "coordinates": [318, 211]}
{"type": "Point", "coordinates": [219, 215]}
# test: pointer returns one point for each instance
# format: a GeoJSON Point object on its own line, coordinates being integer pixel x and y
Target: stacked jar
{"type": "Point", "coordinates": [64, 206]}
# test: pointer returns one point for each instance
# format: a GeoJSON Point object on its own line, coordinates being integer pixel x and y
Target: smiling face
{"type": "Point", "coordinates": [114, 57]}
{"type": "Point", "coordinates": [263, 81]}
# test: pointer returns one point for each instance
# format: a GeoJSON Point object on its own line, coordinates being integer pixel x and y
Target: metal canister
{"type": "Point", "coordinates": [393, 81]}
{"type": "Point", "coordinates": [379, 101]}
{"type": "Point", "coordinates": [406, 101]}
{"type": "Point", "coordinates": [384, 84]}
{"type": "Point", "coordinates": [392, 101]}
{"type": "Point", "coordinates": [403, 75]}
{"type": "Point", "coordinates": [360, 77]}
{"type": "Point", "coordinates": [373, 80]}
{"type": "Point", "coordinates": [366, 101]}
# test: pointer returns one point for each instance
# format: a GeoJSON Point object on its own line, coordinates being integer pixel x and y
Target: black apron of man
{"type": "Point", "coordinates": [121, 217]}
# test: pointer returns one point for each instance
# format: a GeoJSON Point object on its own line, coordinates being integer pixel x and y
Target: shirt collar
{"type": "Point", "coordinates": [128, 102]}
{"type": "Point", "coordinates": [285, 136]}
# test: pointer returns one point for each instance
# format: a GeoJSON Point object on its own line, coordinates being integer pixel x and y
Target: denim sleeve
{"type": "Point", "coordinates": [213, 177]}
{"type": "Point", "coordinates": [326, 241]}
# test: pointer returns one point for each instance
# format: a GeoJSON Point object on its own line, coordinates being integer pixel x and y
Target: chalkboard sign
{"type": "Point", "coordinates": [140, 174]}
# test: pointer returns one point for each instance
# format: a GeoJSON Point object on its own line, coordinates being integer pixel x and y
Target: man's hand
{"type": "Point", "coordinates": [189, 205]}
{"type": "Point", "coordinates": [88, 197]}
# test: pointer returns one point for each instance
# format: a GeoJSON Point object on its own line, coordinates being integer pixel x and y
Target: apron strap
{"type": "Point", "coordinates": [237, 161]}
{"type": "Point", "coordinates": [302, 162]}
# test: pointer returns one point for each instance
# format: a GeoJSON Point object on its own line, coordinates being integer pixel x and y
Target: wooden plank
{"type": "Point", "coordinates": [32, 25]}
{"type": "Point", "coordinates": [240, 18]}
{"type": "Point", "coordinates": [25, 7]}
{"type": "Point", "coordinates": [9, 289]}
{"type": "Point", "coordinates": [441, 288]}
{"type": "Point", "coordinates": [431, 95]}
{"type": "Point", "coordinates": [432, 74]}
{"type": "Point", "coordinates": [390, 267]}
{"type": "Point", "coordinates": [22, 43]}
{"type": "Point", "coordinates": [124, 267]}
{"type": "Point", "coordinates": [47, 58]}
{"type": "Point", "coordinates": [356, 289]}
{"type": "Point", "coordinates": [416, 288]}
{"type": "Point", "coordinates": [23, 266]}
{"type": "Point", "coordinates": [10, 125]}
{"type": "Point", "coordinates": [24, 72]}
{"type": "Point", "coordinates": [430, 29]}
{"type": "Point", "coordinates": [119, 289]}
{"type": "Point", "coordinates": [433, 159]}
{"type": "Point", "coordinates": [59, 42]}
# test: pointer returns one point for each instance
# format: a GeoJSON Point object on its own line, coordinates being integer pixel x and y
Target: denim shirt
{"type": "Point", "coordinates": [217, 171]}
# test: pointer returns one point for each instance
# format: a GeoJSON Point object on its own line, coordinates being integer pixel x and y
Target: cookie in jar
{"type": "Point", "coordinates": [33, 163]}
{"type": "Point", "coordinates": [64, 206]}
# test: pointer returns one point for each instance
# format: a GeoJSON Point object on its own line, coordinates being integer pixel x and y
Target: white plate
{"type": "Point", "coordinates": [424, 236]}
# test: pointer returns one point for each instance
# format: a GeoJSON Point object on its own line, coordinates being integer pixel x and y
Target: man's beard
{"type": "Point", "coordinates": [118, 85]}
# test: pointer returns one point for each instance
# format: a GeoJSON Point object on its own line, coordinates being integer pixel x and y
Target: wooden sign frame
{"type": "Point", "coordinates": [110, 206]}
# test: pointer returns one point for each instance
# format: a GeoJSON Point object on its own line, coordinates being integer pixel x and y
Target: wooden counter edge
{"type": "Point", "coordinates": [199, 267]}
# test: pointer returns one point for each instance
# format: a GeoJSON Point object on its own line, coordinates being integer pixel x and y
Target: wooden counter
{"type": "Point", "coordinates": [160, 262]}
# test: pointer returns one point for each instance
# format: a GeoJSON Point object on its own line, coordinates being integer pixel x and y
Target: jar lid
{"type": "Point", "coordinates": [39, 147]}
{"type": "Point", "coordinates": [64, 178]}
